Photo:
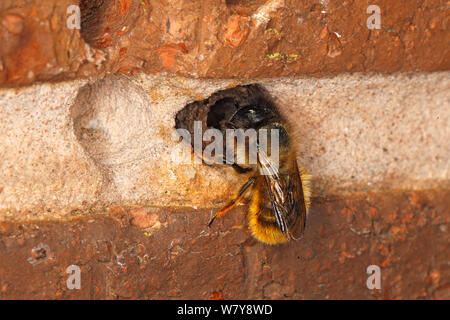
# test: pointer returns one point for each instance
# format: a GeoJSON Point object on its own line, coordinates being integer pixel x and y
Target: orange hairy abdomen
{"type": "Point", "coordinates": [261, 220]}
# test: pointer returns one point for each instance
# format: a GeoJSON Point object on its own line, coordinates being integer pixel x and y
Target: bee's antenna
{"type": "Point", "coordinates": [212, 220]}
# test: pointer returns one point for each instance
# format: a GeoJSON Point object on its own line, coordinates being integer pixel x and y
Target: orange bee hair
{"type": "Point", "coordinates": [261, 221]}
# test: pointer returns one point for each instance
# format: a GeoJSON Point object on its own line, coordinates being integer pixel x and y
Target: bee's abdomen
{"type": "Point", "coordinates": [261, 220]}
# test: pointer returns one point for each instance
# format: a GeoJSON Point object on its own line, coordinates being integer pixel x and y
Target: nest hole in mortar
{"type": "Point", "coordinates": [251, 102]}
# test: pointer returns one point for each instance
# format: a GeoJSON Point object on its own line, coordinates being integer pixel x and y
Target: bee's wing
{"type": "Point", "coordinates": [286, 195]}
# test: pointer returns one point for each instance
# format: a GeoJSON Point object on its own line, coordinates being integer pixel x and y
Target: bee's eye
{"type": "Point", "coordinates": [255, 115]}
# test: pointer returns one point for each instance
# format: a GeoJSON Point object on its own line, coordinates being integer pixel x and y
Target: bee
{"type": "Point", "coordinates": [279, 193]}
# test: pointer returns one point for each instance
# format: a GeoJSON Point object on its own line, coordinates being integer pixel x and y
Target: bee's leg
{"type": "Point", "coordinates": [205, 160]}
{"type": "Point", "coordinates": [240, 169]}
{"type": "Point", "coordinates": [230, 205]}
{"type": "Point", "coordinates": [192, 153]}
{"type": "Point", "coordinates": [209, 161]}
{"type": "Point", "coordinates": [229, 125]}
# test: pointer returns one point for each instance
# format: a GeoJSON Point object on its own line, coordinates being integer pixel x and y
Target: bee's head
{"type": "Point", "coordinates": [242, 107]}
{"type": "Point", "coordinates": [254, 117]}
